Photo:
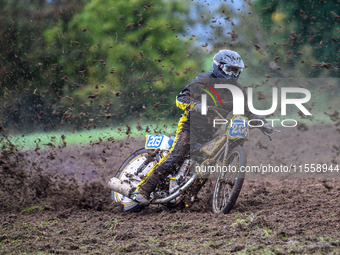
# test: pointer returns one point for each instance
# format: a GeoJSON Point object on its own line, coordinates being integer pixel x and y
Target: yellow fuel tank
{"type": "Point", "coordinates": [212, 147]}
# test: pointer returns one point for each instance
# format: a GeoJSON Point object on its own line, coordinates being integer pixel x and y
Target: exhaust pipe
{"type": "Point", "coordinates": [120, 187]}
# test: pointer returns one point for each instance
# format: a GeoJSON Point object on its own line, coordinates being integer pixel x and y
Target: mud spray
{"type": "Point", "coordinates": [26, 181]}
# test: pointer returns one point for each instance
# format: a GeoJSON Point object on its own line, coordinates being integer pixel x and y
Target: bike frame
{"type": "Point", "coordinates": [181, 190]}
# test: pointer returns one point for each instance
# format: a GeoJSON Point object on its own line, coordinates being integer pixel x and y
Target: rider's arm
{"type": "Point", "coordinates": [184, 101]}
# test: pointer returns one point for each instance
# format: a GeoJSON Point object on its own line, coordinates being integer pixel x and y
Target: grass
{"type": "Point", "coordinates": [63, 138]}
{"type": "Point", "coordinates": [243, 220]}
{"type": "Point", "coordinates": [32, 209]}
{"type": "Point", "coordinates": [324, 100]}
{"type": "Point", "coordinates": [179, 226]}
{"type": "Point", "coordinates": [111, 225]}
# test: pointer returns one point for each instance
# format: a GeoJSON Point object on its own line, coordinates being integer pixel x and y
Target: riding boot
{"type": "Point", "coordinates": [166, 165]}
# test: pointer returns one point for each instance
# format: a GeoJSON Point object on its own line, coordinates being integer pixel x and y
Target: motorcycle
{"type": "Point", "coordinates": [181, 187]}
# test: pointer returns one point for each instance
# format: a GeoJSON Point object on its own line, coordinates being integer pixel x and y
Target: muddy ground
{"type": "Point", "coordinates": [54, 201]}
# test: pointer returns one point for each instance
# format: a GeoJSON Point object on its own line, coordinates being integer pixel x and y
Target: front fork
{"type": "Point", "coordinates": [226, 151]}
{"type": "Point", "coordinates": [193, 191]}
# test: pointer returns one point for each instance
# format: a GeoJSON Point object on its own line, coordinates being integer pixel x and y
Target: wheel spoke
{"type": "Point", "coordinates": [227, 185]}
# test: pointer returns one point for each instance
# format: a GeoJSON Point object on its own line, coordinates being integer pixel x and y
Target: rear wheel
{"type": "Point", "coordinates": [229, 183]}
{"type": "Point", "coordinates": [127, 172]}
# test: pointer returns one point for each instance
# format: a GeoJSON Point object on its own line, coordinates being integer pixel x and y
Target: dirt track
{"type": "Point", "coordinates": [272, 215]}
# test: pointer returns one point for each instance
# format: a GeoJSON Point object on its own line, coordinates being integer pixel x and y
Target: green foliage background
{"type": "Point", "coordinates": [83, 64]}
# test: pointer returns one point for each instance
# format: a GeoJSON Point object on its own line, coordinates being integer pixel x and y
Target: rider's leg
{"type": "Point", "coordinates": [166, 165]}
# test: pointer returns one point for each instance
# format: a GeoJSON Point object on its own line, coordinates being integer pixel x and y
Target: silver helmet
{"type": "Point", "coordinates": [227, 64]}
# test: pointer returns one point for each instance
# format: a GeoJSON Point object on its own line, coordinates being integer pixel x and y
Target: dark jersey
{"type": "Point", "coordinates": [205, 83]}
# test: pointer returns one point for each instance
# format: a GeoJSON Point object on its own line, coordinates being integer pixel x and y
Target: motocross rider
{"type": "Point", "coordinates": [227, 66]}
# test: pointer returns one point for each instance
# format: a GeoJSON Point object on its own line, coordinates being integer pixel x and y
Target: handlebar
{"type": "Point", "coordinates": [268, 135]}
{"type": "Point", "coordinates": [217, 109]}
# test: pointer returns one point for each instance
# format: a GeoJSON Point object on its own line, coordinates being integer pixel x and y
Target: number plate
{"type": "Point", "coordinates": [238, 128]}
{"type": "Point", "coordinates": [158, 141]}
{"type": "Point", "coordinates": [153, 141]}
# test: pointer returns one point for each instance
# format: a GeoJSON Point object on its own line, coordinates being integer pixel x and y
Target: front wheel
{"type": "Point", "coordinates": [229, 183]}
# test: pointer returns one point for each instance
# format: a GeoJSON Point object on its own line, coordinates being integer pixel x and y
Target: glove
{"type": "Point", "coordinates": [267, 128]}
{"type": "Point", "coordinates": [198, 107]}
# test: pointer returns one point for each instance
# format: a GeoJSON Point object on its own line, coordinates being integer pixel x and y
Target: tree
{"type": "Point", "coordinates": [123, 58]}
{"type": "Point", "coordinates": [303, 35]}
{"type": "Point", "coordinates": [283, 39]}
{"type": "Point", "coordinates": [27, 70]}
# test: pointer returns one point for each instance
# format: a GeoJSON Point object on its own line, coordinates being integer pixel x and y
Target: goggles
{"type": "Point", "coordinates": [231, 70]}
